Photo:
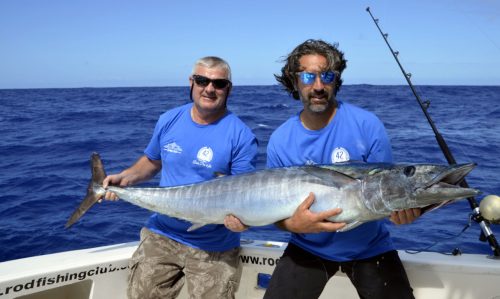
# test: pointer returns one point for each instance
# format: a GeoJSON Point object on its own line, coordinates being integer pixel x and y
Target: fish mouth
{"type": "Point", "coordinates": [445, 185]}
{"type": "Point", "coordinates": [451, 176]}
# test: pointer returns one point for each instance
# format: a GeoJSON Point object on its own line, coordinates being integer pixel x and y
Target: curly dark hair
{"type": "Point", "coordinates": [333, 55]}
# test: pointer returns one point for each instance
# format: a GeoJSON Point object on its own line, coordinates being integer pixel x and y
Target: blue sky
{"type": "Point", "coordinates": [61, 43]}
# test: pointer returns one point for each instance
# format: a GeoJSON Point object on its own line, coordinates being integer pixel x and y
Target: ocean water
{"type": "Point", "coordinates": [48, 135]}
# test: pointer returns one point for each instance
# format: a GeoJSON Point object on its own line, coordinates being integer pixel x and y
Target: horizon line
{"type": "Point", "coordinates": [242, 85]}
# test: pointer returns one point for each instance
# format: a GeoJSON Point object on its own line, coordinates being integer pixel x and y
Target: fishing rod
{"type": "Point", "coordinates": [486, 232]}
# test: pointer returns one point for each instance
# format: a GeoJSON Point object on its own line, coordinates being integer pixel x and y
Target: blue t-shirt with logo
{"type": "Point", "coordinates": [353, 134]}
{"type": "Point", "coordinates": [192, 153]}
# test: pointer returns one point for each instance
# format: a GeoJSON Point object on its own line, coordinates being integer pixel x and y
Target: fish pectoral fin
{"type": "Point", "coordinates": [195, 226]}
{"type": "Point", "coordinates": [329, 176]}
{"type": "Point", "coordinates": [350, 226]}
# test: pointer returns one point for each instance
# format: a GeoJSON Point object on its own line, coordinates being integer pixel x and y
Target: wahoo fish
{"type": "Point", "coordinates": [364, 192]}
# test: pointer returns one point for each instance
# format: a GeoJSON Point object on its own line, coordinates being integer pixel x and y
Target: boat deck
{"type": "Point", "coordinates": [101, 273]}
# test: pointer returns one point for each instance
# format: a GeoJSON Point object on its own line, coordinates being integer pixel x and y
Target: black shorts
{"type": "Point", "coordinates": [300, 274]}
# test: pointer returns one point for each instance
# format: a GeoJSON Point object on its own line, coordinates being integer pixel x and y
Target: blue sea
{"type": "Point", "coordinates": [48, 135]}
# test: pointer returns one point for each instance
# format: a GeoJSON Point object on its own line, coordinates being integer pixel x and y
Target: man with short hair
{"type": "Point", "coordinates": [190, 144]}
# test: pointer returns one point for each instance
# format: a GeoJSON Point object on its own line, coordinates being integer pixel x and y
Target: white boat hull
{"type": "Point", "coordinates": [102, 273]}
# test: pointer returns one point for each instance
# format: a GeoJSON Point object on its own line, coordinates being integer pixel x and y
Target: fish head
{"type": "Point", "coordinates": [435, 184]}
{"type": "Point", "coordinates": [405, 186]}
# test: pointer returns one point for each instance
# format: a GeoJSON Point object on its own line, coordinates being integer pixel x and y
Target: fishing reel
{"type": "Point", "coordinates": [490, 208]}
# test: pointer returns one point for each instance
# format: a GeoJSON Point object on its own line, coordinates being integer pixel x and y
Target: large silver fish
{"type": "Point", "coordinates": [363, 191]}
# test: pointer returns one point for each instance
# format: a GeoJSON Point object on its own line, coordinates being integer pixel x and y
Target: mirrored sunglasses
{"type": "Point", "coordinates": [204, 82]}
{"type": "Point", "coordinates": [326, 77]}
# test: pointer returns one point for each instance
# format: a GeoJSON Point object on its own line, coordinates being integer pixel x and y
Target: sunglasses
{"type": "Point", "coordinates": [204, 82]}
{"type": "Point", "coordinates": [326, 77]}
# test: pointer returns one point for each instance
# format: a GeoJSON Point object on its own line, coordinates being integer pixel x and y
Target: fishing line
{"type": "Point", "coordinates": [455, 251]}
{"type": "Point", "coordinates": [466, 15]}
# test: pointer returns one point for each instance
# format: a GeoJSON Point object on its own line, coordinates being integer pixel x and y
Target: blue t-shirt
{"type": "Point", "coordinates": [191, 153]}
{"type": "Point", "coordinates": [353, 134]}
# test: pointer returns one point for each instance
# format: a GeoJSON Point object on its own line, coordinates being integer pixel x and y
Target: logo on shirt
{"type": "Point", "coordinates": [340, 154]}
{"type": "Point", "coordinates": [204, 157]}
{"type": "Point", "coordinates": [173, 148]}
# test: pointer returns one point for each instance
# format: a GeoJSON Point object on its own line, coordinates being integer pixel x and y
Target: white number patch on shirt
{"type": "Point", "coordinates": [340, 154]}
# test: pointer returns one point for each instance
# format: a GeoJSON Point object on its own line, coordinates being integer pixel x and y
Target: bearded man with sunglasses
{"type": "Point", "coordinates": [190, 144]}
{"type": "Point", "coordinates": [327, 131]}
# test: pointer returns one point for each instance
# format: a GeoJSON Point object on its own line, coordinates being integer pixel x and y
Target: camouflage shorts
{"type": "Point", "coordinates": [160, 266]}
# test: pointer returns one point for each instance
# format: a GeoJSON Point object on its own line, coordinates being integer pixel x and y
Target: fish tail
{"type": "Point", "coordinates": [98, 175]}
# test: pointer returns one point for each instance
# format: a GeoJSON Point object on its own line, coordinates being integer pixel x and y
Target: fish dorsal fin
{"type": "Point", "coordinates": [329, 176]}
{"type": "Point", "coordinates": [356, 169]}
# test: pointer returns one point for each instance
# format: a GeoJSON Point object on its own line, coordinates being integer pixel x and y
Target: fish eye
{"type": "Point", "coordinates": [409, 171]}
